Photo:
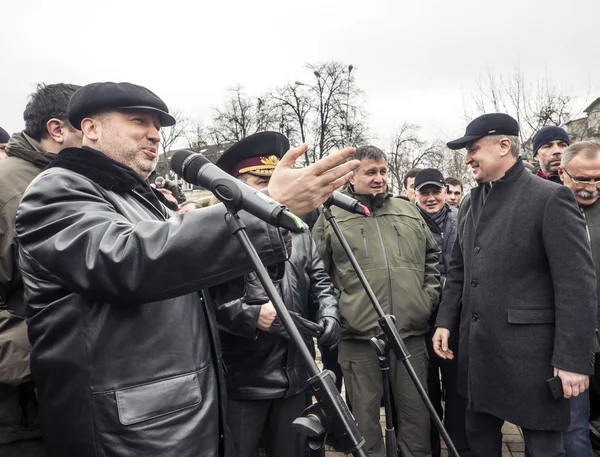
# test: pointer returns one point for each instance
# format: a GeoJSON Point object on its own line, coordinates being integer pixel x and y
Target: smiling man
{"type": "Point", "coordinates": [431, 199]}
{"type": "Point", "coordinates": [522, 288]}
{"type": "Point", "coordinates": [125, 354]}
{"type": "Point", "coordinates": [399, 258]}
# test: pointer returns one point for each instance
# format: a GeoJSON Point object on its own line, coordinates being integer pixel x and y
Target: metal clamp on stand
{"type": "Point", "coordinates": [391, 340]}
{"type": "Point", "coordinates": [330, 415]}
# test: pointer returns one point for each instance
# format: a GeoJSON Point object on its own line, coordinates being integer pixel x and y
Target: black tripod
{"type": "Point", "coordinates": [329, 415]}
{"type": "Point", "coordinates": [390, 340]}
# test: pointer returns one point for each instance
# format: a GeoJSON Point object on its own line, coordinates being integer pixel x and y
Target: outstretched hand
{"type": "Point", "coordinates": [304, 189]}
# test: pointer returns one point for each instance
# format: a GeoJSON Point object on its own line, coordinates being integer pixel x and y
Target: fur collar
{"type": "Point", "coordinates": [107, 173]}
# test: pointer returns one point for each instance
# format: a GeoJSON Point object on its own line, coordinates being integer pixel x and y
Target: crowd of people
{"type": "Point", "coordinates": [132, 323]}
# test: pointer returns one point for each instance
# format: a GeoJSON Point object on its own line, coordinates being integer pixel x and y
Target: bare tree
{"type": "Point", "coordinates": [241, 116]}
{"type": "Point", "coordinates": [533, 105]}
{"type": "Point", "coordinates": [295, 107]}
{"type": "Point", "coordinates": [171, 137]}
{"type": "Point", "coordinates": [337, 117]}
{"type": "Point", "coordinates": [408, 151]}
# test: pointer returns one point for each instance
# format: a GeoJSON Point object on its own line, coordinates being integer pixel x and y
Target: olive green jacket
{"type": "Point", "coordinates": [398, 256]}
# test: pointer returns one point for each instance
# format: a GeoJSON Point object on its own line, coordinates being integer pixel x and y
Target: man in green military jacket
{"type": "Point", "coordinates": [399, 258]}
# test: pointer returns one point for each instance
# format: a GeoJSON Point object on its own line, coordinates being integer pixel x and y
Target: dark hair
{"type": "Point", "coordinates": [370, 152]}
{"type": "Point", "coordinates": [454, 182]}
{"type": "Point", "coordinates": [47, 102]}
{"type": "Point", "coordinates": [410, 174]}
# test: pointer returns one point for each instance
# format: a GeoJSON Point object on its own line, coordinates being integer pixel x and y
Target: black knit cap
{"type": "Point", "coordinates": [488, 124]}
{"type": "Point", "coordinates": [549, 133]}
{"type": "Point", "coordinates": [4, 136]}
{"type": "Point", "coordinates": [97, 97]}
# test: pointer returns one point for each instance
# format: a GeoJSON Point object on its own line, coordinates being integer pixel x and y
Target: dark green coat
{"type": "Point", "coordinates": [18, 404]}
{"type": "Point", "coordinates": [399, 257]}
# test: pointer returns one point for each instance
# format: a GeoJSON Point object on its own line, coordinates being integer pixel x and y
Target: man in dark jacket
{"type": "Point", "coordinates": [399, 258]}
{"type": "Point", "coordinates": [522, 288]}
{"type": "Point", "coordinates": [47, 131]}
{"type": "Point", "coordinates": [125, 352]}
{"type": "Point", "coordinates": [266, 377]}
{"type": "Point", "coordinates": [580, 171]}
{"type": "Point", "coordinates": [431, 196]}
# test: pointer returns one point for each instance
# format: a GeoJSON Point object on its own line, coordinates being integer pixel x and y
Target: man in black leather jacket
{"type": "Point", "coordinates": [266, 378]}
{"type": "Point", "coordinates": [125, 353]}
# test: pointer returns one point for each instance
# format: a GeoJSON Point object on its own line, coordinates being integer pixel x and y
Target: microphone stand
{"type": "Point", "coordinates": [330, 414]}
{"type": "Point", "coordinates": [390, 340]}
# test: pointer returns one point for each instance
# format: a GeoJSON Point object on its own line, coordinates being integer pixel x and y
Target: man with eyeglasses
{"type": "Point", "coordinates": [549, 144]}
{"type": "Point", "coordinates": [580, 171]}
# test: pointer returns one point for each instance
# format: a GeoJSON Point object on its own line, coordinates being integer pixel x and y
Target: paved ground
{"type": "Point", "coordinates": [512, 442]}
{"type": "Point", "coordinates": [512, 446]}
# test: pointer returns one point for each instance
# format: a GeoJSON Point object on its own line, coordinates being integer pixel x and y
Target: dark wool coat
{"type": "Point", "coordinates": [523, 269]}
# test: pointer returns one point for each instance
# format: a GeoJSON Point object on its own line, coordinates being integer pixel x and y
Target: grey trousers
{"type": "Point", "coordinates": [362, 377]}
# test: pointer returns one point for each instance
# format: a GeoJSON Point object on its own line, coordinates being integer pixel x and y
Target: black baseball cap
{"type": "Point", "coordinates": [429, 176]}
{"type": "Point", "coordinates": [97, 97]}
{"type": "Point", "coordinates": [257, 154]}
{"type": "Point", "coordinates": [488, 124]}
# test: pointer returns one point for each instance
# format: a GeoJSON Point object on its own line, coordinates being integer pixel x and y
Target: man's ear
{"type": "Point", "coordinates": [351, 180]}
{"type": "Point", "coordinates": [91, 128]}
{"type": "Point", "coordinates": [55, 127]}
{"type": "Point", "coordinates": [561, 173]}
{"type": "Point", "coordinates": [505, 145]}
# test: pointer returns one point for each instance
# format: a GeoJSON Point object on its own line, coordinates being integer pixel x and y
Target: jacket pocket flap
{"type": "Point", "coordinates": [531, 316]}
{"type": "Point", "coordinates": [140, 403]}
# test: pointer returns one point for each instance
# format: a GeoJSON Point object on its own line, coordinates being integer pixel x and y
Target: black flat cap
{"type": "Point", "coordinates": [488, 124]}
{"type": "Point", "coordinates": [97, 97]}
{"type": "Point", "coordinates": [256, 154]}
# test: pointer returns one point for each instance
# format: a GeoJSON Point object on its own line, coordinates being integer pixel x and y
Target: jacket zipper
{"type": "Point", "coordinates": [362, 230]}
{"type": "Point", "coordinates": [387, 265]}
{"type": "Point", "coordinates": [154, 208]}
{"type": "Point", "coordinates": [398, 241]}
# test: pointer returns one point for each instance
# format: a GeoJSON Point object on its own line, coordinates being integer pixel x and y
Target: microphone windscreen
{"type": "Point", "coordinates": [187, 164]}
{"type": "Point", "coordinates": [177, 160]}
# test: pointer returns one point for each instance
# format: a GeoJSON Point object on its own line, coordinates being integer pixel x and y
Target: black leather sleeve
{"type": "Point", "coordinates": [82, 237]}
{"type": "Point", "coordinates": [322, 299]}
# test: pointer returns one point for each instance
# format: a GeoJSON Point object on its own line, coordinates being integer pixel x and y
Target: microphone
{"type": "Point", "coordinates": [235, 194]}
{"type": "Point", "coordinates": [347, 203]}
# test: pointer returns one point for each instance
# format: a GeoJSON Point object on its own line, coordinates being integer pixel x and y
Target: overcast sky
{"type": "Point", "coordinates": [413, 59]}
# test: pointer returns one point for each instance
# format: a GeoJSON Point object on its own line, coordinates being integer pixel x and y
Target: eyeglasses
{"type": "Point", "coordinates": [584, 182]}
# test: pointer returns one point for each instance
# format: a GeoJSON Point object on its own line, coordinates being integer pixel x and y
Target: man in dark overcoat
{"type": "Point", "coordinates": [522, 290]}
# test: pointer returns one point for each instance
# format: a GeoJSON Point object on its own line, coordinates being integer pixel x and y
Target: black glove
{"type": "Point", "coordinates": [332, 333]}
{"type": "Point", "coordinates": [303, 325]}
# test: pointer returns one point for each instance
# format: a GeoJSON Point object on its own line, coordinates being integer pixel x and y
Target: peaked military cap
{"type": "Point", "coordinates": [488, 124]}
{"type": "Point", "coordinates": [97, 97]}
{"type": "Point", "coordinates": [256, 154]}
